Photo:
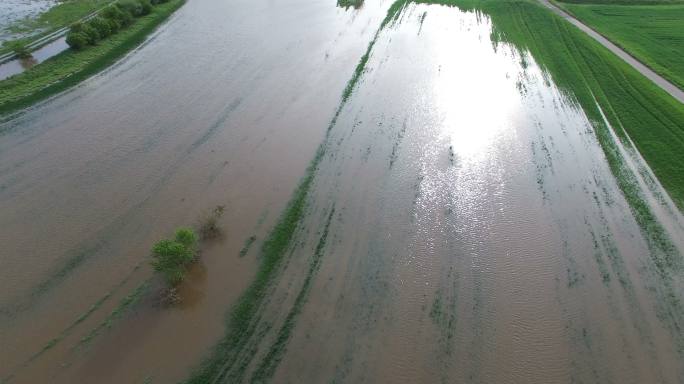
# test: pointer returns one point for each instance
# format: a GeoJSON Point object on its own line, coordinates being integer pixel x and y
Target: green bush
{"type": "Point", "coordinates": [110, 21]}
{"type": "Point", "coordinates": [76, 40]}
{"type": "Point", "coordinates": [146, 7]}
{"type": "Point", "coordinates": [171, 257]}
{"type": "Point", "coordinates": [134, 7]}
{"type": "Point", "coordinates": [102, 26]}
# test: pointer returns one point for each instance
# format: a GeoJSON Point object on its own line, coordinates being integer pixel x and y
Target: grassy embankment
{"type": "Point", "coordinates": [59, 16]}
{"type": "Point", "coordinates": [653, 34]}
{"type": "Point", "coordinates": [71, 67]}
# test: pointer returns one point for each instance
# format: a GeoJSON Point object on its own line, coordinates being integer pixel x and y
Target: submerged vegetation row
{"type": "Point", "coordinates": [73, 66]}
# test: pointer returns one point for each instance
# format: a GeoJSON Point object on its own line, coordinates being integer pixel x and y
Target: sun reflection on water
{"type": "Point", "coordinates": [475, 92]}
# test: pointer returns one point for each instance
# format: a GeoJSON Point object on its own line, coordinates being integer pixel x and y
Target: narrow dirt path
{"type": "Point", "coordinates": [636, 64]}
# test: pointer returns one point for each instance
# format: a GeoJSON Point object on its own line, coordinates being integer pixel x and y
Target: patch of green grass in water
{"type": "Point", "coordinates": [598, 256]}
{"type": "Point", "coordinates": [70, 67]}
{"type": "Point", "coordinates": [268, 365]}
{"type": "Point", "coordinates": [392, 14]}
{"type": "Point", "coordinates": [248, 245]}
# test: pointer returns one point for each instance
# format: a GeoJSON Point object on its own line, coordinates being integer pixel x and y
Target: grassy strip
{"type": "Point", "coordinates": [652, 34]}
{"type": "Point", "coordinates": [71, 67]}
{"type": "Point", "coordinates": [270, 362]}
{"type": "Point", "coordinates": [59, 16]}
{"type": "Point", "coordinates": [392, 14]}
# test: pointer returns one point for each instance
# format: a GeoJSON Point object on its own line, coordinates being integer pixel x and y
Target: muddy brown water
{"type": "Point", "coordinates": [92, 178]}
{"type": "Point", "coordinates": [477, 233]}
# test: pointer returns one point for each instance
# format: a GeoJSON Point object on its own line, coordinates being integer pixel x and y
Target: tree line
{"type": "Point", "coordinates": [109, 21]}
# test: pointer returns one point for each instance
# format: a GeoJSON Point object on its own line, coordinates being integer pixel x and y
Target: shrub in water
{"type": "Point", "coordinates": [114, 25]}
{"type": "Point", "coordinates": [21, 51]}
{"type": "Point", "coordinates": [187, 237]}
{"type": "Point", "coordinates": [171, 257]}
{"type": "Point", "coordinates": [116, 13]}
{"type": "Point", "coordinates": [90, 33]}
{"type": "Point", "coordinates": [209, 227]}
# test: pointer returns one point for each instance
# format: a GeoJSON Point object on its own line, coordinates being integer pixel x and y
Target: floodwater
{"type": "Point", "coordinates": [477, 235]}
{"type": "Point", "coordinates": [16, 66]}
{"type": "Point", "coordinates": [13, 11]}
{"type": "Point", "coordinates": [467, 225]}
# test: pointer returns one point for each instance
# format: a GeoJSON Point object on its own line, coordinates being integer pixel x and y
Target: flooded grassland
{"type": "Point", "coordinates": [464, 223]}
{"type": "Point", "coordinates": [92, 178]}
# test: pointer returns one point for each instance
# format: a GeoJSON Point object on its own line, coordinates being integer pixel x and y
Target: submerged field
{"type": "Point", "coordinates": [654, 34]}
{"type": "Point", "coordinates": [422, 220]}
{"type": "Point", "coordinates": [487, 196]}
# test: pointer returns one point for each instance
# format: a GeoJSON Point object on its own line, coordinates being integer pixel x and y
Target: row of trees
{"type": "Point", "coordinates": [109, 21]}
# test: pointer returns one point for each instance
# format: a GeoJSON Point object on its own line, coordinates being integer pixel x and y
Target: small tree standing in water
{"type": "Point", "coordinates": [172, 257]}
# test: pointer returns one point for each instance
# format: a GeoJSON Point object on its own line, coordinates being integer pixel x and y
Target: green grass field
{"type": "Point", "coordinates": [654, 34]}
{"type": "Point", "coordinates": [624, 2]}
{"type": "Point", "coordinates": [584, 70]}
{"type": "Point", "coordinates": [70, 67]}
{"type": "Point", "coordinates": [61, 15]}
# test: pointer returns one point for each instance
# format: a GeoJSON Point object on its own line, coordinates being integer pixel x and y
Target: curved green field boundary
{"type": "Point", "coordinates": [69, 68]}
{"type": "Point", "coordinates": [653, 34]}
